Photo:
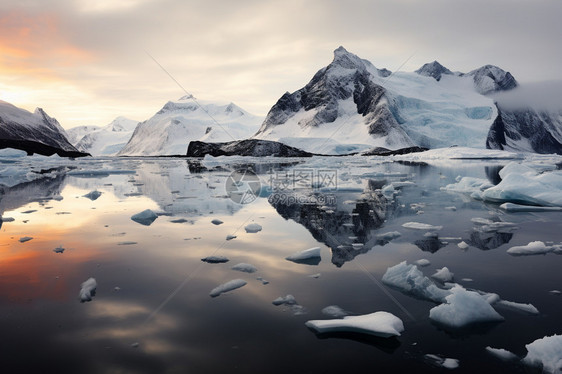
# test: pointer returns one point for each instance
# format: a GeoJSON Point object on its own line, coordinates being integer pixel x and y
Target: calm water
{"type": "Point", "coordinates": [162, 297]}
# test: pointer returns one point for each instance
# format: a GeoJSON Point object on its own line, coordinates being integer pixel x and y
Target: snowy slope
{"type": "Point", "coordinates": [170, 130]}
{"type": "Point", "coordinates": [103, 141]}
{"type": "Point", "coordinates": [350, 105]}
{"type": "Point", "coordinates": [33, 132]}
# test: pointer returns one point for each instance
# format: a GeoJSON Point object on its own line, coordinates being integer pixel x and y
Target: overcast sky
{"type": "Point", "coordinates": [85, 61]}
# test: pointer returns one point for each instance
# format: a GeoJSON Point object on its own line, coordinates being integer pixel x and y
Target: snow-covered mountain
{"type": "Point", "coordinates": [350, 105]}
{"type": "Point", "coordinates": [170, 130]}
{"type": "Point", "coordinates": [33, 132]}
{"type": "Point", "coordinates": [103, 141]}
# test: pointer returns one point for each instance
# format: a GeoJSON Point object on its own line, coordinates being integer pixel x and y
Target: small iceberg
{"type": "Point", "coordinates": [463, 308]}
{"type": "Point", "coordinates": [88, 290]}
{"type": "Point", "coordinates": [421, 226]}
{"type": "Point", "coordinates": [245, 268]}
{"type": "Point", "coordinates": [334, 311]}
{"type": "Point", "coordinates": [533, 248]}
{"type": "Point", "coordinates": [146, 217]}
{"type": "Point", "coordinates": [217, 222]}
{"type": "Point", "coordinates": [93, 195]}
{"type": "Point", "coordinates": [381, 324]}
{"type": "Point", "coordinates": [228, 286]}
{"type": "Point", "coordinates": [545, 352]}
{"type": "Point", "coordinates": [215, 259]}
{"type": "Point", "coordinates": [309, 256]}
{"type": "Point", "coordinates": [253, 228]}
{"type": "Point", "coordinates": [502, 354]}
{"type": "Point", "coordinates": [59, 249]}
{"type": "Point", "coordinates": [447, 363]}
{"type": "Point", "coordinates": [24, 239]}
{"type": "Point", "coordinates": [443, 275]}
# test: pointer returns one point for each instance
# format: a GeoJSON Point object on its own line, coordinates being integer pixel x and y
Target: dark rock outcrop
{"type": "Point", "coordinates": [248, 147]}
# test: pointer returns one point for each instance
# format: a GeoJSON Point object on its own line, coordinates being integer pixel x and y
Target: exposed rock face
{"type": "Point", "coordinates": [434, 69]}
{"type": "Point", "coordinates": [33, 132]}
{"type": "Point", "coordinates": [526, 130]}
{"type": "Point", "coordinates": [490, 78]}
{"type": "Point", "coordinates": [248, 147]}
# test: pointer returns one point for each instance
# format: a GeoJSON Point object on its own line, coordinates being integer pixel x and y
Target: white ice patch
{"type": "Point", "coordinates": [304, 255]}
{"type": "Point", "coordinates": [533, 248]}
{"type": "Point", "coordinates": [410, 280]}
{"type": "Point", "coordinates": [443, 275]}
{"type": "Point", "coordinates": [502, 354]}
{"type": "Point", "coordinates": [228, 286]}
{"type": "Point", "coordinates": [381, 324]}
{"type": "Point", "coordinates": [511, 207]}
{"type": "Point", "coordinates": [462, 245]}
{"type": "Point", "coordinates": [245, 268]}
{"type": "Point", "coordinates": [464, 308]}
{"type": "Point", "coordinates": [334, 311]}
{"type": "Point", "coordinates": [545, 352]}
{"type": "Point", "coordinates": [146, 217]}
{"type": "Point", "coordinates": [421, 226]}
{"type": "Point", "coordinates": [285, 300]}
{"type": "Point", "coordinates": [526, 308]}
{"type": "Point", "coordinates": [423, 262]}
{"type": "Point", "coordinates": [88, 290]}
{"type": "Point", "coordinates": [447, 363]}
{"type": "Point", "coordinates": [253, 228]}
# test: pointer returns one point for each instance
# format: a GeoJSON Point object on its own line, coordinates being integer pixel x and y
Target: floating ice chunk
{"type": "Point", "coordinates": [230, 237]}
{"type": "Point", "coordinates": [533, 248]}
{"type": "Point", "coordinates": [93, 195]}
{"type": "Point", "coordinates": [253, 228]}
{"type": "Point", "coordinates": [24, 239]}
{"type": "Point", "coordinates": [285, 300]}
{"type": "Point", "coordinates": [526, 308]}
{"type": "Point", "coordinates": [315, 276]}
{"type": "Point", "coordinates": [388, 191]}
{"type": "Point", "coordinates": [545, 352]}
{"type": "Point", "coordinates": [127, 243]}
{"type": "Point", "coordinates": [423, 262]}
{"type": "Point", "coordinates": [524, 184]}
{"type": "Point", "coordinates": [179, 220]}
{"type": "Point", "coordinates": [334, 311]}
{"type": "Point", "coordinates": [511, 207]}
{"type": "Point", "coordinates": [421, 226]}
{"type": "Point", "coordinates": [245, 268]}
{"type": "Point", "coordinates": [88, 290]}
{"type": "Point", "coordinates": [443, 275]}
{"type": "Point", "coordinates": [228, 286]}
{"type": "Point", "coordinates": [146, 217]}
{"type": "Point", "coordinates": [502, 354]}
{"type": "Point", "coordinates": [555, 292]}
{"type": "Point", "coordinates": [382, 324]}
{"type": "Point", "coordinates": [468, 185]}
{"type": "Point", "coordinates": [263, 281]}
{"type": "Point", "coordinates": [447, 363]}
{"type": "Point", "coordinates": [305, 256]}
{"type": "Point", "coordinates": [464, 308]}
{"type": "Point", "coordinates": [59, 249]}
{"type": "Point", "coordinates": [451, 208]}
{"type": "Point", "coordinates": [410, 280]}
{"type": "Point", "coordinates": [388, 236]}
{"type": "Point", "coordinates": [215, 259]}
{"type": "Point", "coordinates": [217, 222]}
{"type": "Point", "coordinates": [7, 219]}
{"type": "Point", "coordinates": [462, 245]}
{"type": "Point", "coordinates": [135, 345]}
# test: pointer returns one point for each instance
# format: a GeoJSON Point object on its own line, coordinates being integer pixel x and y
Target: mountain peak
{"type": "Point", "coordinates": [434, 69]}
{"type": "Point", "coordinates": [347, 60]}
{"type": "Point", "coordinates": [490, 78]}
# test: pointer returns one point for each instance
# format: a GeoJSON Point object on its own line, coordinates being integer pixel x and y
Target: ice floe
{"type": "Point", "coordinates": [381, 324]}
{"type": "Point", "coordinates": [421, 226]}
{"type": "Point", "coordinates": [546, 353]}
{"type": "Point", "coordinates": [24, 239]}
{"type": "Point", "coordinates": [307, 254]}
{"type": "Point", "coordinates": [388, 236]}
{"type": "Point", "coordinates": [462, 245]}
{"type": "Point", "coordinates": [215, 259]}
{"type": "Point", "coordinates": [423, 262]}
{"type": "Point", "coordinates": [526, 308]}
{"type": "Point", "coordinates": [217, 222]}
{"type": "Point", "coordinates": [334, 311]}
{"type": "Point", "coordinates": [502, 354]}
{"type": "Point", "coordinates": [146, 217]}
{"type": "Point", "coordinates": [59, 249]}
{"type": "Point", "coordinates": [410, 280]}
{"type": "Point", "coordinates": [285, 300]}
{"type": "Point", "coordinates": [228, 286]}
{"type": "Point", "coordinates": [447, 363]}
{"type": "Point", "coordinates": [511, 207]}
{"type": "Point", "coordinates": [93, 195]}
{"type": "Point", "coordinates": [230, 237]}
{"type": "Point", "coordinates": [88, 290]}
{"type": "Point", "coordinates": [464, 308]}
{"type": "Point", "coordinates": [443, 275]}
{"type": "Point", "coordinates": [533, 248]}
{"type": "Point", "coordinates": [253, 228]}
{"type": "Point", "coordinates": [245, 268]}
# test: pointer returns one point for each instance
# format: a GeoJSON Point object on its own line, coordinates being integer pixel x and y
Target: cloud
{"type": "Point", "coordinates": [537, 95]}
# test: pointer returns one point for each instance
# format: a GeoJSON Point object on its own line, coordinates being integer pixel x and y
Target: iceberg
{"type": "Point", "coordinates": [464, 308]}
{"type": "Point", "coordinates": [545, 352]}
{"type": "Point", "coordinates": [146, 217]}
{"type": "Point", "coordinates": [228, 286]}
{"type": "Point", "coordinates": [381, 324]}
{"type": "Point", "coordinates": [253, 228]}
{"type": "Point", "coordinates": [533, 248]}
{"type": "Point", "coordinates": [443, 275]}
{"type": "Point", "coordinates": [410, 280]}
{"type": "Point", "coordinates": [307, 254]}
{"type": "Point", "coordinates": [88, 290]}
